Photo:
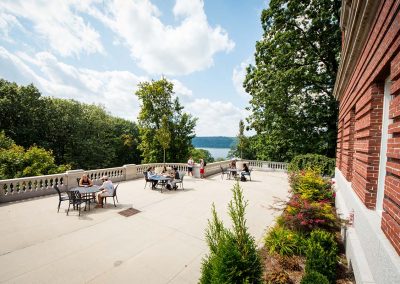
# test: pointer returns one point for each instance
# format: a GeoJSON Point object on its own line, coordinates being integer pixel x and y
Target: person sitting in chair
{"type": "Point", "coordinates": [233, 167]}
{"type": "Point", "coordinates": [245, 171]}
{"type": "Point", "coordinates": [151, 173]}
{"type": "Point", "coordinates": [107, 189]}
{"type": "Point", "coordinates": [171, 184]}
{"type": "Point", "coordinates": [85, 181]}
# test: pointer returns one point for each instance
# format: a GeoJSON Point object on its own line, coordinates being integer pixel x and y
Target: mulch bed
{"type": "Point", "coordinates": [276, 266]}
{"type": "Point", "coordinates": [128, 212]}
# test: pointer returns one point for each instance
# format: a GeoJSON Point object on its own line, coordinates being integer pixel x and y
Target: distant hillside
{"type": "Point", "coordinates": [214, 142]}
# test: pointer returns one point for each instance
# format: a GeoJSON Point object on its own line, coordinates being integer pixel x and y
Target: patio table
{"type": "Point", "coordinates": [162, 181]}
{"type": "Point", "coordinates": [87, 191]}
{"type": "Point", "coordinates": [231, 171]}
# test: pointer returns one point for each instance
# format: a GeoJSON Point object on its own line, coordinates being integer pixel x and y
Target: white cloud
{"type": "Point", "coordinates": [238, 76]}
{"type": "Point", "coordinates": [165, 49]}
{"type": "Point", "coordinates": [113, 89]}
{"type": "Point", "coordinates": [216, 118]}
{"type": "Point", "coordinates": [57, 22]}
{"type": "Point", "coordinates": [156, 47]}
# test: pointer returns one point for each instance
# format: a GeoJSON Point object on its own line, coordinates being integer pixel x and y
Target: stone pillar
{"type": "Point", "coordinates": [130, 171]}
{"type": "Point", "coordinates": [71, 177]}
{"type": "Point", "coordinates": [196, 171]}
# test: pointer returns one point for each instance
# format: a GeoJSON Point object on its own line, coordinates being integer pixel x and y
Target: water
{"type": "Point", "coordinates": [218, 152]}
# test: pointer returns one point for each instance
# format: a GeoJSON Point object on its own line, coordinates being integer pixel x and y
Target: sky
{"type": "Point", "coordinates": [97, 51]}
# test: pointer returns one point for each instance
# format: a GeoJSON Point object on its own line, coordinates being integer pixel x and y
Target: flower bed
{"type": "Point", "coordinates": [304, 245]}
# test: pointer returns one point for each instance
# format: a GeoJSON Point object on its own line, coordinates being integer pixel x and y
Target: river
{"type": "Point", "coordinates": [217, 152]}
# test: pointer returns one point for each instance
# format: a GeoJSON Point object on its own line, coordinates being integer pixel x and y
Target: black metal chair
{"type": "Point", "coordinates": [114, 196]}
{"type": "Point", "coordinates": [247, 173]}
{"type": "Point", "coordinates": [180, 180]}
{"type": "Point", "coordinates": [76, 199]}
{"type": "Point", "coordinates": [61, 197]}
{"type": "Point", "coordinates": [223, 172]}
{"type": "Point", "coordinates": [146, 179]}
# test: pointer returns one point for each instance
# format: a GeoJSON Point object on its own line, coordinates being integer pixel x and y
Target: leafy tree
{"type": "Point", "coordinates": [157, 101]}
{"type": "Point", "coordinates": [233, 256]}
{"type": "Point", "coordinates": [21, 112]}
{"type": "Point", "coordinates": [15, 161]}
{"type": "Point", "coordinates": [163, 135]}
{"type": "Point", "coordinates": [82, 135]}
{"type": "Point", "coordinates": [243, 148]}
{"type": "Point", "coordinates": [198, 154]}
{"type": "Point", "coordinates": [291, 83]}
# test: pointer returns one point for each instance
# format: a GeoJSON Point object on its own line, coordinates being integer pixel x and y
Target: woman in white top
{"type": "Point", "coordinates": [190, 166]}
{"type": "Point", "coordinates": [107, 189]}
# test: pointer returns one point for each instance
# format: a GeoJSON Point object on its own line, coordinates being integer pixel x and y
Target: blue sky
{"type": "Point", "coordinates": [97, 51]}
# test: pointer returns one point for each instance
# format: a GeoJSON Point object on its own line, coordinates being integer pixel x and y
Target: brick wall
{"type": "Point", "coordinates": [368, 121]}
{"type": "Point", "coordinates": [360, 119]}
{"type": "Point", "coordinates": [391, 201]}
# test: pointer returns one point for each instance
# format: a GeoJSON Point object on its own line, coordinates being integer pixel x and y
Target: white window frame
{"type": "Point", "coordinates": [384, 140]}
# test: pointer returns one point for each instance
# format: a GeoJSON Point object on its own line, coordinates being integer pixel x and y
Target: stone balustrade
{"type": "Point", "coordinates": [29, 187]}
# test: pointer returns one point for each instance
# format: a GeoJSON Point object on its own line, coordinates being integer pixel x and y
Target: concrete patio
{"type": "Point", "coordinates": [164, 243]}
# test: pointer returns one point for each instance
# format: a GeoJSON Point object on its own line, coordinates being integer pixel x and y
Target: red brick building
{"type": "Point", "coordinates": [368, 150]}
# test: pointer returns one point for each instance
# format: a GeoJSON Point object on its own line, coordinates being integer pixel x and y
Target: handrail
{"type": "Point", "coordinates": [28, 187]}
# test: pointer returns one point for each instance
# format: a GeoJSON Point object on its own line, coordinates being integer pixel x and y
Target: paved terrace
{"type": "Point", "coordinates": [164, 243]}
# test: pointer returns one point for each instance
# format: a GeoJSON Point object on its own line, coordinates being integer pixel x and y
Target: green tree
{"type": "Point", "coordinates": [16, 162]}
{"type": "Point", "coordinates": [82, 135]}
{"type": "Point", "coordinates": [163, 135]}
{"type": "Point", "coordinates": [198, 154]}
{"type": "Point", "coordinates": [156, 99]}
{"type": "Point", "coordinates": [233, 256]}
{"type": "Point", "coordinates": [244, 147]}
{"type": "Point", "coordinates": [21, 113]}
{"type": "Point", "coordinates": [291, 83]}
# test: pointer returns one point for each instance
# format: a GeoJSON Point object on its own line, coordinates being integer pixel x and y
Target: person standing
{"type": "Point", "coordinates": [190, 165]}
{"type": "Point", "coordinates": [202, 168]}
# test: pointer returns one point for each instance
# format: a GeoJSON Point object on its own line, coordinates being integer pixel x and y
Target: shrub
{"type": "Point", "coordinates": [303, 215]}
{"type": "Point", "coordinates": [311, 186]}
{"type": "Point", "coordinates": [321, 254]}
{"type": "Point", "coordinates": [325, 165]}
{"type": "Point", "coordinates": [284, 241]}
{"type": "Point", "coordinates": [233, 256]}
{"type": "Point", "coordinates": [314, 277]}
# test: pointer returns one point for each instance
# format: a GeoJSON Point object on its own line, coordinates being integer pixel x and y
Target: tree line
{"type": "Point", "coordinates": [77, 135]}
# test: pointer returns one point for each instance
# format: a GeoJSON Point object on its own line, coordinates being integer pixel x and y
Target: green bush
{"type": "Point", "coordinates": [284, 241]}
{"type": "Point", "coordinates": [311, 186]}
{"type": "Point", "coordinates": [17, 162]}
{"type": "Point", "coordinates": [314, 277]}
{"type": "Point", "coordinates": [325, 165]}
{"type": "Point", "coordinates": [321, 254]}
{"type": "Point", "coordinates": [233, 256]}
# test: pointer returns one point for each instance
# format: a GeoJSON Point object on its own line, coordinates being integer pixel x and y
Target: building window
{"type": "Point", "coordinates": [384, 138]}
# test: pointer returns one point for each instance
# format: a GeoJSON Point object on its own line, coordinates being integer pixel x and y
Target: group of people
{"type": "Point", "coordinates": [105, 190]}
{"type": "Point", "coordinates": [243, 171]}
{"type": "Point", "coordinates": [190, 165]}
{"type": "Point", "coordinates": [172, 174]}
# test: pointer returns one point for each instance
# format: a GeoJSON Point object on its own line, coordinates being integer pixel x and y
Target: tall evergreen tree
{"type": "Point", "coordinates": [291, 83]}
